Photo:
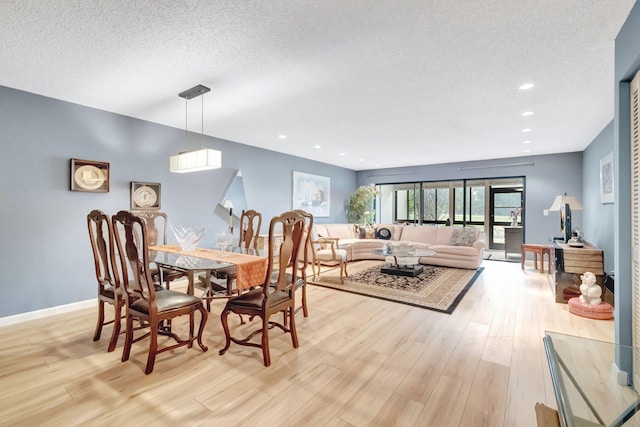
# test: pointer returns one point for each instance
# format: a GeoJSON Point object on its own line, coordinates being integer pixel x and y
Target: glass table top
{"type": "Point", "coordinates": [585, 385]}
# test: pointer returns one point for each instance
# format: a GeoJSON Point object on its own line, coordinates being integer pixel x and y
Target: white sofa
{"type": "Point", "coordinates": [461, 249]}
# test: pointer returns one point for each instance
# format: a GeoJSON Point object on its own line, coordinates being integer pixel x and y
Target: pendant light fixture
{"type": "Point", "coordinates": [199, 160]}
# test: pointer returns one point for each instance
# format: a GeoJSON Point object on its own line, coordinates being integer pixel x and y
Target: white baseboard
{"type": "Point", "coordinates": [39, 314]}
{"type": "Point", "coordinates": [622, 377]}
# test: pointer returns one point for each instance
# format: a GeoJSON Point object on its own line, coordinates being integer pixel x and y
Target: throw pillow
{"type": "Point", "coordinates": [463, 237]}
{"type": "Point", "coordinates": [383, 233]}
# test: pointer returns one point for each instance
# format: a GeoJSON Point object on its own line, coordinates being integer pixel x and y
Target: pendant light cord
{"type": "Point", "coordinates": [185, 124]}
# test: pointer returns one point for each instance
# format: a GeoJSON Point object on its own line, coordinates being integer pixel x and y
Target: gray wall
{"type": "Point", "coordinates": [549, 176]}
{"type": "Point", "coordinates": [45, 256]}
{"type": "Point", "coordinates": [598, 217]}
{"type": "Point", "coordinates": [627, 62]}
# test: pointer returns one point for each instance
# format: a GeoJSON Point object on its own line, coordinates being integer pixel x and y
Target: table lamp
{"type": "Point", "coordinates": [565, 204]}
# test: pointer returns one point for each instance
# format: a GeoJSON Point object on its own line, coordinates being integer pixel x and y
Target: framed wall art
{"type": "Point", "coordinates": [311, 193]}
{"type": "Point", "coordinates": [89, 176]}
{"type": "Point", "coordinates": [606, 179]}
{"type": "Point", "coordinates": [145, 195]}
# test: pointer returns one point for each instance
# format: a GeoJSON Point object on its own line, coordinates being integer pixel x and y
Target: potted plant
{"type": "Point", "coordinates": [361, 204]}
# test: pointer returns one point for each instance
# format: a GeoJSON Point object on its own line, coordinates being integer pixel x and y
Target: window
{"type": "Point", "coordinates": [436, 205]}
{"type": "Point", "coordinates": [485, 204]}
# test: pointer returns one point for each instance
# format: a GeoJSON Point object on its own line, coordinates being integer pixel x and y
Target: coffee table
{"type": "Point", "coordinates": [403, 264]}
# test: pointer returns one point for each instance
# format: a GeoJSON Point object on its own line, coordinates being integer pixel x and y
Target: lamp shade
{"type": "Point", "coordinates": [560, 201]}
{"type": "Point", "coordinates": [194, 161]}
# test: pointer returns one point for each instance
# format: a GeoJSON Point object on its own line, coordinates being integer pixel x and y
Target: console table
{"type": "Point", "coordinates": [570, 263]}
{"type": "Point", "coordinates": [512, 240]}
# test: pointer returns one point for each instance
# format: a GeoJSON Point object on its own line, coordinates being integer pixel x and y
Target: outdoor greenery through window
{"type": "Point", "coordinates": [488, 204]}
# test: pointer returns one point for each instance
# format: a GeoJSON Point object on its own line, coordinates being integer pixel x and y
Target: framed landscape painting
{"type": "Point", "coordinates": [311, 193]}
{"type": "Point", "coordinates": [606, 179]}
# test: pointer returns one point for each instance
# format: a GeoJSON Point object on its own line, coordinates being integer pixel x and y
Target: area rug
{"type": "Point", "coordinates": [436, 288]}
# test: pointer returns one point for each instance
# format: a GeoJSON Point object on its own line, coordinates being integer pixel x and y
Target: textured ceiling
{"type": "Point", "coordinates": [373, 83]}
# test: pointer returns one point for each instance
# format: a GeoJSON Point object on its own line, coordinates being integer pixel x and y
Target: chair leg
{"type": "Point", "coordinates": [204, 315]}
{"type": "Point", "coordinates": [191, 327]}
{"type": "Point", "coordinates": [305, 311]}
{"type": "Point", "coordinates": [342, 272]}
{"type": "Point", "coordinates": [292, 326]}
{"type": "Point", "coordinates": [265, 341]}
{"type": "Point", "coordinates": [96, 335]}
{"type": "Point", "coordinates": [117, 320]}
{"type": "Point", "coordinates": [153, 347]}
{"type": "Point", "coordinates": [126, 350]}
{"type": "Point", "coordinates": [225, 326]}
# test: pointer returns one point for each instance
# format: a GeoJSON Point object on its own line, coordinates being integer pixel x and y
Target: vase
{"type": "Point", "coordinates": [514, 222]}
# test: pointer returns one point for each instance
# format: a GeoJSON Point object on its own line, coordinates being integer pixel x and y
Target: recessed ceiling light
{"type": "Point", "coordinates": [316, 146]}
{"type": "Point", "coordinates": [377, 164]}
{"type": "Point", "coordinates": [527, 113]}
{"type": "Point", "coordinates": [341, 154]}
{"type": "Point", "coordinates": [526, 86]}
{"type": "Point", "coordinates": [526, 142]}
{"type": "Point", "coordinates": [282, 136]}
{"type": "Point", "coordinates": [526, 130]}
{"type": "Point", "coordinates": [527, 151]}
{"type": "Point", "coordinates": [361, 160]}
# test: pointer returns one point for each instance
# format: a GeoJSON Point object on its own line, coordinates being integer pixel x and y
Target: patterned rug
{"type": "Point", "coordinates": [436, 288]}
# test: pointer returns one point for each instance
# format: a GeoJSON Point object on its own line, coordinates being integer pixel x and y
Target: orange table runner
{"type": "Point", "coordinates": [251, 269]}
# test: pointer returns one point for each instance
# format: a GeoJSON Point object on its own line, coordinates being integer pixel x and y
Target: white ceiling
{"type": "Point", "coordinates": [388, 83]}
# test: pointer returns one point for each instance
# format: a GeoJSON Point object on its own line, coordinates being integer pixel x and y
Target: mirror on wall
{"type": "Point", "coordinates": [235, 194]}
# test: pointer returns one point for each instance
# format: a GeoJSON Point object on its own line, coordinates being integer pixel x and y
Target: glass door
{"type": "Point", "coordinates": [506, 207]}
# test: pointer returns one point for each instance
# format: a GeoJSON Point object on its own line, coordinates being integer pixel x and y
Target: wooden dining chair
{"type": "Point", "coordinates": [142, 301]}
{"type": "Point", "coordinates": [304, 258]}
{"type": "Point", "coordinates": [250, 224]}
{"type": "Point", "coordinates": [157, 223]}
{"type": "Point", "coordinates": [273, 296]}
{"type": "Point", "coordinates": [109, 291]}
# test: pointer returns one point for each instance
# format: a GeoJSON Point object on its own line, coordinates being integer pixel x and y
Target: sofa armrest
{"type": "Point", "coordinates": [479, 245]}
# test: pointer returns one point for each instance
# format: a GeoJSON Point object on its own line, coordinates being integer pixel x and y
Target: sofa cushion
{"type": "Point", "coordinates": [395, 229]}
{"type": "Point", "coordinates": [454, 250]}
{"type": "Point", "coordinates": [321, 230]}
{"type": "Point", "coordinates": [463, 237]}
{"type": "Point", "coordinates": [419, 233]}
{"type": "Point", "coordinates": [383, 233]}
{"type": "Point", "coordinates": [341, 231]}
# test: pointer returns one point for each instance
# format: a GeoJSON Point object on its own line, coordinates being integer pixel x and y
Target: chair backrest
{"type": "Point", "coordinates": [283, 252]}
{"type": "Point", "coordinates": [156, 223]}
{"type": "Point", "coordinates": [101, 236]}
{"type": "Point", "coordinates": [306, 248]}
{"type": "Point", "coordinates": [250, 223]}
{"type": "Point", "coordinates": [132, 243]}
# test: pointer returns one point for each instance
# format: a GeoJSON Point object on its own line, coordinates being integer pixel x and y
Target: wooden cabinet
{"type": "Point", "coordinates": [512, 240]}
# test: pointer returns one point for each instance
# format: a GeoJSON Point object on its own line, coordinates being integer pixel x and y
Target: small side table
{"type": "Point", "coordinates": [512, 240]}
{"type": "Point", "coordinates": [537, 249]}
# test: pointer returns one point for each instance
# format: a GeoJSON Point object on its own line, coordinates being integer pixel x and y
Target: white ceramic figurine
{"type": "Point", "coordinates": [590, 290]}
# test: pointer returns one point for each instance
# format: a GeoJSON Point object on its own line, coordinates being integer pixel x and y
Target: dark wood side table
{"type": "Point", "coordinates": [512, 240]}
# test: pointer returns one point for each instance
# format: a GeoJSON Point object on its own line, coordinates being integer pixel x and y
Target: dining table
{"type": "Point", "coordinates": [251, 268]}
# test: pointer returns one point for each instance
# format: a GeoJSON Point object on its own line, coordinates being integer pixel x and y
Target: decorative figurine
{"type": "Point", "coordinates": [590, 290]}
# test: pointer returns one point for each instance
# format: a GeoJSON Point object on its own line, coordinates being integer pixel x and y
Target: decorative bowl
{"type": "Point", "coordinates": [188, 237]}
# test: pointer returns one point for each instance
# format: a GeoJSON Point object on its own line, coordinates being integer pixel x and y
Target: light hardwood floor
{"type": "Point", "coordinates": [361, 361]}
